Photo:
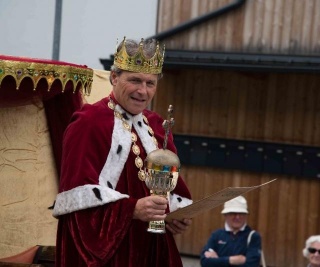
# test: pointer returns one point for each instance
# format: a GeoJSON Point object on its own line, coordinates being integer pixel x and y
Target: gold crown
{"type": "Point", "coordinates": [138, 62]}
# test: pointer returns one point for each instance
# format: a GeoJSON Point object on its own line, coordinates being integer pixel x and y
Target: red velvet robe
{"type": "Point", "coordinates": [107, 235]}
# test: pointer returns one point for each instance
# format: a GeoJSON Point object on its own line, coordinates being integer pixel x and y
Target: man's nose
{"type": "Point", "coordinates": [142, 87]}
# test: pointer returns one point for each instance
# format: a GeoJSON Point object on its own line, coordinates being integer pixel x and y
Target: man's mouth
{"type": "Point", "coordinates": [136, 99]}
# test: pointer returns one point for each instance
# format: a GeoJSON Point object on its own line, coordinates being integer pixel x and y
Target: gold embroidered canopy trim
{"type": "Point", "coordinates": [36, 70]}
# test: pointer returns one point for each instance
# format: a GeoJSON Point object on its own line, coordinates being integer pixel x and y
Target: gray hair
{"type": "Point", "coordinates": [132, 46]}
{"type": "Point", "coordinates": [310, 240]}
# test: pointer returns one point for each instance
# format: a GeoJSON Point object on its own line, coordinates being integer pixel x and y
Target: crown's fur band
{"type": "Point", "coordinates": [138, 62]}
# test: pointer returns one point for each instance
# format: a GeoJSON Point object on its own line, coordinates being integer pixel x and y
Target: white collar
{"type": "Point", "coordinates": [229, 229]}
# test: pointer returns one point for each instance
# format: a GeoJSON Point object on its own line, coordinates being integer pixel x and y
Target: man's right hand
{"type": "Point", "coordinates": [211, 254]}
{"type": "Point", "coordinates": [151, 208]}
{"type": "Point", "coordinates": [237, 260]}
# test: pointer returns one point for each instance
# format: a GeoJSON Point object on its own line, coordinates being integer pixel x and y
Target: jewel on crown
{"type": "Point", "coordinates": [139, 62]}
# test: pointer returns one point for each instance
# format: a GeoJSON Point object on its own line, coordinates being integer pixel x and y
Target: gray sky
{"type": "Point", "coordinates": [89, 28]}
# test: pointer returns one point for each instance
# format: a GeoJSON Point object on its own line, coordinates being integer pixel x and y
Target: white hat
{"type": "Point", "coordinates": [236, 205]}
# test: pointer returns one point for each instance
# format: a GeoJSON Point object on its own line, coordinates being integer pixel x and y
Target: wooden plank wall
{"type": "Point", "coordinates": [265, 26]}
{"type": "Point", "coordinates": [275, 107]}
{"type": "Point", "coordinates": [251, 106]}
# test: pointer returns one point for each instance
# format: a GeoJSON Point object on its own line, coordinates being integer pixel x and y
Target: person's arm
{"type": "Point", "coordinates": [178, 227]}
{"type": "Point", "coordinates": [253, 254]}
{"type": "Point", "coordinates": [209, 256]}
{"type": "Point", "coordinates": [151, 208]}
{"type": "Point", "coordinates": [96, 230]}
{"type": "Point", "coordinates": [212, 259]}
{"type": "Point", "coordinates": [214, 262]}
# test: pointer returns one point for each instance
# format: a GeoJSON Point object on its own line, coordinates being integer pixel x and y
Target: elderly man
{"type": "Point", "coordinates": [312, 251]}
{"type": "Point", "coordinates": [104, 205]}
{"type": "Point", "coordinates": [236, 244]}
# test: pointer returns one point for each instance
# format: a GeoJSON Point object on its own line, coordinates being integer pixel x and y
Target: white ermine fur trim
{"type": "Point", "coordinates": [142, 131]}
{"type": "Point", "coordinates": [115, 162]}
{"type": "Point", "coordinates": [83, 197]}
{"type": "Point", "coordinates": [175, 204]}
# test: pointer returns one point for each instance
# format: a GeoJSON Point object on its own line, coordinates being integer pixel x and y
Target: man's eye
{"type": "Point", "coordinates": [150, 84]}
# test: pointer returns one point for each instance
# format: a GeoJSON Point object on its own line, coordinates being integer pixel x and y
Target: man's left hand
{"type": "Point", "coordinates": [178, 227]}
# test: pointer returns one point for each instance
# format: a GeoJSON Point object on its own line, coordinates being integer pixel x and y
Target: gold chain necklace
{"type": "Point", "coordinates": [135, 148]}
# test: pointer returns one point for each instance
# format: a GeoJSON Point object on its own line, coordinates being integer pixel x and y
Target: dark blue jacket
{"type": "Point", "coordinates": [226, 244]}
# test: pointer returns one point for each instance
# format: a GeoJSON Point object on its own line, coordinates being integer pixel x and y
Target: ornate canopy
{"type": "Point", "coordinates": [41, 77]}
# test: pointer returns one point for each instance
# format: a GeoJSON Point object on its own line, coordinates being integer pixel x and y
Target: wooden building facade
{"type": "Point", "coordinates": [243, 77]}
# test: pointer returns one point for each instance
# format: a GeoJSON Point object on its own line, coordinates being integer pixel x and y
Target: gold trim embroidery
{"type": "Point", "coordinates": [20, 70]}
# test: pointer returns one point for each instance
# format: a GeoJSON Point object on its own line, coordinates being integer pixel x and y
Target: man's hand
{"type": "Point", "coordinates": [151, 208]}
{"type": "Point", "coordinates": [237, 260]}
{"type": "Point", "coordinates": [178, 227]}
{"type": "Point", "coordinates": [211, 254]}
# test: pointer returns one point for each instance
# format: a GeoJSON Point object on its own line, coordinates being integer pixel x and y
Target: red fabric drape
{"type": "Point", "coordinates": [59, 110]}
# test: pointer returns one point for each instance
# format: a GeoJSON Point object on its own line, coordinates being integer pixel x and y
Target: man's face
{"type": "Point", "coordinates": [236, 220]}
{"type": "Point", "coordinates": [314, 258]}
{"type": "Point", "coordinates": [134, 91]}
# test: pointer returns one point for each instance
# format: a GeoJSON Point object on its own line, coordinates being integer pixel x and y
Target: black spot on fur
{"type": "Point", "coordinates": [96, 191]}
{"type": "Point", "coordinates": [139, 123]}
{"type": "Point", "coordinates": [52, 207]}
{"type": "Point", "coordinates": [179, 199]}
{"type": "Point", "coordinates": [150, 133]}
{"type": "Point", "coordinates": [125, 116]}
{"type": "Point", "coordinates": [119, 149]}
{"type": "Point", "coordinates": [110, 185]}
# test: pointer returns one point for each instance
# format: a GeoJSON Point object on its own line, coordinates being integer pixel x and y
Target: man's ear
{"type": "Point", "coordinates": [113, 78]}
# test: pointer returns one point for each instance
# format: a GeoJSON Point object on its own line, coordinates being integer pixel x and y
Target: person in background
{"type": "Point", "coordinates": [312, 251]}
{"type": "Point", "coordinates": [236, 244]}
{"type": "Point", "coordinates": [104, 205]}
